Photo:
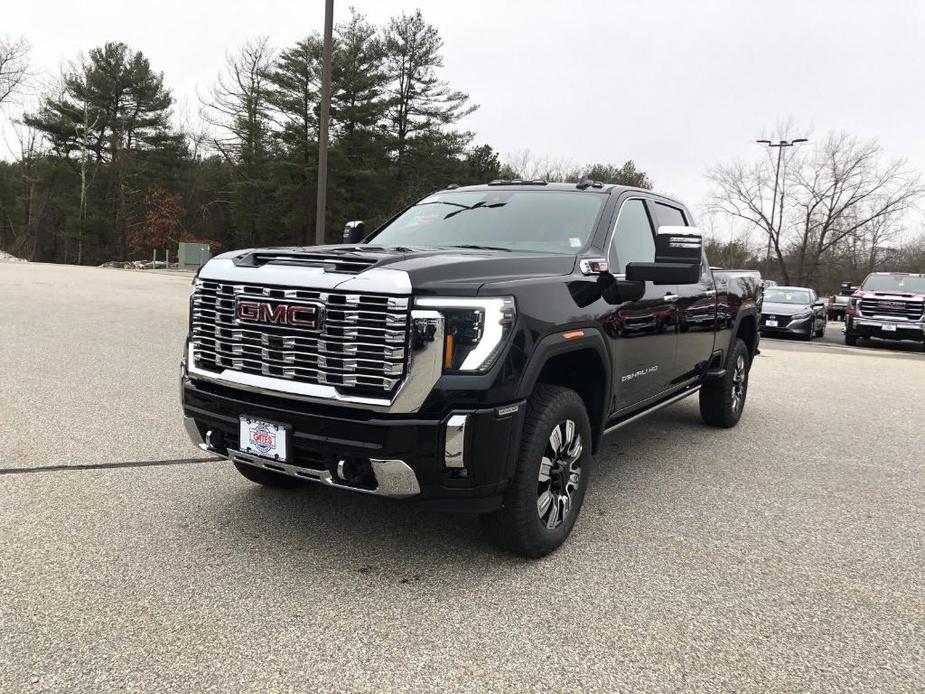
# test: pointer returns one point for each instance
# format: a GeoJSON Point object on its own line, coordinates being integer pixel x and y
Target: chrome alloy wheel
{"type": "Point", "coordinates": [560, 470]}
{"type": "Point", "coordinates": [738, 383]}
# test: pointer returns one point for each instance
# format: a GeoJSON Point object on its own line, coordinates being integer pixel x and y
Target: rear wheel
{"type": "Point", "coordinates": [722, 400]}
{"type": "Point", "coordinates": [268, 478]}
{"type": "Point", "coordinates": [549, 483]}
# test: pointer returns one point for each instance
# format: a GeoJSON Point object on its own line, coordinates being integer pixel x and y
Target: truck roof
{"type": "Point", "coordinates": [900, 274]}
{"type": "Point", "coordinates": [581, 187]}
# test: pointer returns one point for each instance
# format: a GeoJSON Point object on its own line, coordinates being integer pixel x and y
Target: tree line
{"type": "Point", "coordinates": [104, 169]}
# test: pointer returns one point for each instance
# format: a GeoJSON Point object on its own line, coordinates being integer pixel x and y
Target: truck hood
{"type": "Point", "coordinates": [352, 267]}
{"type": "Point", "coordinates": [784, 309]}
{"type": "Point", "coordinates": [899, 296]}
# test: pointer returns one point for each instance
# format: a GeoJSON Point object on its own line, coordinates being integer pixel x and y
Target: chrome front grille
{"type": "Point", "coordinates": [358, 345]}
{"type": "Point", "coordinates": [891, 308]}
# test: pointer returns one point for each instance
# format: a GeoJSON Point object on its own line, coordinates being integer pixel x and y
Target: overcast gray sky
{"type": "Point", "coordinates": [674, 84]}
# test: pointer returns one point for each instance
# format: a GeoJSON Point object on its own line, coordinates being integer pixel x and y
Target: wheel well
{"type": "Point", "coordinates": [583, 372]}
{"type": "Point", "coordinates": [748, 333]}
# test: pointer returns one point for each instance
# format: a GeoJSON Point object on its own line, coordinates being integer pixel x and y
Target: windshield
{"type": "Point", "coordinates": [894, 283]}
{"type": "Point", "coordinates": [786, 296]}
{"type": "Point", "coordinates": [545, 221]}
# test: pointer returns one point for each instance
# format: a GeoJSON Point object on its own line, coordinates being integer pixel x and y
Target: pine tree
{"type": "Point", "coordinates": [111, 108]}
{"type": "Point", "coordinates": [419, 102]}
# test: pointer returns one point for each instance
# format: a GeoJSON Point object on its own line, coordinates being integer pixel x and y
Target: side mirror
{"type": "Point", "coordinates": [354, 232]}
{"type": "Point", "coordinates": [678, 256]}
{"type": "Point", "coordinates": [615, 291]}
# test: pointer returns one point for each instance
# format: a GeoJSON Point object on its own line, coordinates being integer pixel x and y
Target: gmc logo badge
{"type": "Point", "coordinates": [298, 315]}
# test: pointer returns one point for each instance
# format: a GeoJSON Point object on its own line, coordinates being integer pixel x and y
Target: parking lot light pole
{"type": "Point", "coordinates": [323, 122]}
{"type": "Point", "coordinates": [780, 149]}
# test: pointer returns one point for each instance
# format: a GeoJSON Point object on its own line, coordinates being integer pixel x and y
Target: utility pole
{"type": "Point", "coordinates": [780, 149]}
{"type": "Point", "coordinates": [323, 122]}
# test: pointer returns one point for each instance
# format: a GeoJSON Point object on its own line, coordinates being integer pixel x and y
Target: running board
{"type": "Point", "coordinates": [664, 403]}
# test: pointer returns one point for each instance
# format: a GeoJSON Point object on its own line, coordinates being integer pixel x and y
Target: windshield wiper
{"type": "Point", "coordinates": [477, 206]}
{"type": "Point", "coordinates": [480, 248]}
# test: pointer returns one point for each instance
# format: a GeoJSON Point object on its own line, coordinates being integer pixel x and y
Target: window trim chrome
{"type": "Point", "coordinates": [616, 221]}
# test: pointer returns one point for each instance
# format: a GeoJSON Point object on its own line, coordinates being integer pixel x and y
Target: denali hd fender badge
{"type": "Point", "coordinates": [639, 374]}
{"type": "Point", "coordinates": [307, 315]}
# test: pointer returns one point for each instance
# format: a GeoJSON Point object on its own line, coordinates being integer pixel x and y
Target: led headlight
{"type": "Point", "coordinates": [476, 329]}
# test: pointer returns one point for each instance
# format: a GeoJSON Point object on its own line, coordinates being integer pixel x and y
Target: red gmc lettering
{"type": "Point", "coordinates": [248, 310]}
{"type": "Point", "coordinates": [264, 312]}
{"type": "Point", "coordinates": [301, 315]}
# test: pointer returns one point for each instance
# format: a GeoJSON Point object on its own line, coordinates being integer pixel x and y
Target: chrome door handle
{"type": "Point", "coordinates": [671, 297]}
{"type": "Point", "coordinates": [711, 292]}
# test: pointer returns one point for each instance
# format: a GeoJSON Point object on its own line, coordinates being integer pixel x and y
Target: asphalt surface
{"type": "Point", "coordinates": [786, 554]}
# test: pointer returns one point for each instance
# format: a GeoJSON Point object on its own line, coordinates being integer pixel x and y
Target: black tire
{"type": "Point", "coordinates": [851, 340]}
{"type": "Point", "coordinates": [808, 337]}
{"type": "Point", "coordinates": [268, 478]}
{"type": "Point", "coordinates": [723, 400]}
{"type": "Point", "coordinates": [522, 526]}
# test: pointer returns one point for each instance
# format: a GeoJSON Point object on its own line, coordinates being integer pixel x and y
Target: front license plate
{"type": "Point", "coordinates": [771, 323]}
{"type": "Point", "coordinates": [887, 328]}
{"type": "Point", "coordinates": [266, 439]}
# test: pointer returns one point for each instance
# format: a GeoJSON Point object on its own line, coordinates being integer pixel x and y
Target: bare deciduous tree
{"type": "Point", "coordinates": [836, 194]}
{"type": "Point", "coordinates": [14, 66]}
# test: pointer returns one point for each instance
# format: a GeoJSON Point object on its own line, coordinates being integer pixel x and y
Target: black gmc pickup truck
{"type": "Point", "coordinates": [471, 353]}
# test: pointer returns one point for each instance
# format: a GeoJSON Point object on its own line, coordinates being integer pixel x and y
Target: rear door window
{"type": "Point", "coordinates": [669, 216]}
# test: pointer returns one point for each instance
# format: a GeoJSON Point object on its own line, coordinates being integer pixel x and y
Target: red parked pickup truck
{"type": "Point", "coordinates": [889, 306]}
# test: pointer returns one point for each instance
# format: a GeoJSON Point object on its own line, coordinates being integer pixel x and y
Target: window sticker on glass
{"type": "Point", "coordinates": [574, 242]}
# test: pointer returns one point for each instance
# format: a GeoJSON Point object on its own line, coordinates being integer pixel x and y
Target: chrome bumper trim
{"type": "Point", "coordinates": [425, 365]}
{"type": "Point", "coordinates": [900, 325]}
{"type": "Point", "coordinates": [454, 446]}
{"type": "Point", "coordinates": [394, 479]}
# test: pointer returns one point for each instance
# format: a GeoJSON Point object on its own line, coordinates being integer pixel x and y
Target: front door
{"type": "Point", "coordinates": [644, 332]}
{"type": "Point", "coordinates": [697, 308]}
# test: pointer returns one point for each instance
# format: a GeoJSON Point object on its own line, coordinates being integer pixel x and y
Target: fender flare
{"type": "Point", "coordinates": [554, 345]}
{"type": "Point", "coordinates": [751, 311]}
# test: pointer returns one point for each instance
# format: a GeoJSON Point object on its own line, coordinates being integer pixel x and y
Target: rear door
{"type": "Point", "coordinates": [643, 332]}
{"type": "Point", "coordinates": [696, 306]}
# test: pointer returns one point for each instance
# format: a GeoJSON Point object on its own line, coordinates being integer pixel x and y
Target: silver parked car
{"type": "Point", "coordinates": [793, 311]}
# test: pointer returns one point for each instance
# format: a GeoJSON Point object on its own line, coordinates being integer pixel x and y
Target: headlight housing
{"type": "Point", "coordinates": [803, 315]}
{"type": "Point", "coordinates": [476, 329]}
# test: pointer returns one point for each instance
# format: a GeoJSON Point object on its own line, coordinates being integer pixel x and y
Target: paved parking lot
{"type": "Point", "coordinates": [784, 555]}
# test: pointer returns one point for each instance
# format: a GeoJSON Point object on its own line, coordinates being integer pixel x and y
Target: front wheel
{"type": "Point", "coordinates": [851, 340]}
{"type": "Point", "coordinates": [549, 483]}
{"type": "Point", "coordinates": [722, 400]}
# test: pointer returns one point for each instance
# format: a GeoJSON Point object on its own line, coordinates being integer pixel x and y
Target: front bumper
{"type": "Point", "coordinates": [797, 327]}
{"type": "Point", "coordinates": [461, 461]}
{"type": "Point", "coordinates": [860, 326]}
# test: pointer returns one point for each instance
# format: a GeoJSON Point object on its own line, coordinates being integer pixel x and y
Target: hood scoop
{"type": "Point", "coordinates": [343, 263]}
